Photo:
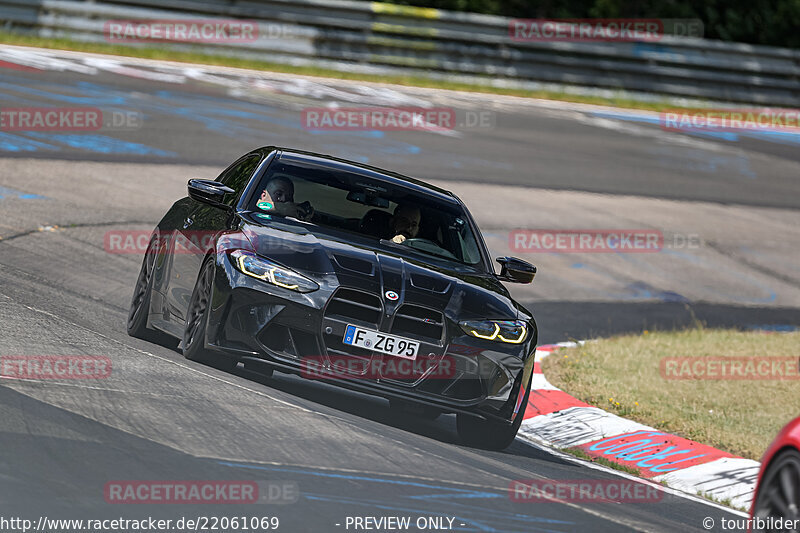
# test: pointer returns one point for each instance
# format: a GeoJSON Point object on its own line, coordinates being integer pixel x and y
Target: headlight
{"type": "Point", "coordinates": [510, 331]}
{"type": "Point", "coordinates": [254, 266]}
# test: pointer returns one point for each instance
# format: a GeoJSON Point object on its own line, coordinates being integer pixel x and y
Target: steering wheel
{"type": "Point", "coordinates": [419, 240]}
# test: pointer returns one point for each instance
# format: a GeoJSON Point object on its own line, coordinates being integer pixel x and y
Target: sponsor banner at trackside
{"type": "Point", "coordinates": [653, 452]}
{"type": "Point", "coordinates": [200, 492]}
{"type": "Point", "coordinates": [55, 367]}
{"type": "Point", "coordinates": [555, 418]}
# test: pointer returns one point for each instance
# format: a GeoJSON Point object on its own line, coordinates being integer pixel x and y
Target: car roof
{"type": "Point", "coordinates": [370, 172]}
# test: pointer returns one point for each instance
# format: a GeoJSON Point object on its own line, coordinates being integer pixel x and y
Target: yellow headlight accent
{"type": "Point", "coordinates": [487, 337]}
{"type": "Point", "coordinates": [269, 276]}
{"type": "Point", "coordinates": [243, 268]}
{"type": "Point", "coordinates": [278, 283]}
{"type": "Point", "coordinates": [519, 339]}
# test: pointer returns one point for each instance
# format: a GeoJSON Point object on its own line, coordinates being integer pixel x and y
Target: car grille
{"type": "Point", "coordinates": [418, 323]}
{"type": "Point", "coordinates": [352, 306]}
{"type": "Point", "coordinates": [355, 307]}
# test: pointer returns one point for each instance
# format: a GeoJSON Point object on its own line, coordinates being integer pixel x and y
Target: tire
{"type": "Point", "coordinates": [779, 493]}
{"type": "Point", "coordinates": [194, 330]}
{"type": "Point", "coordinates": [140, 303]}
{"type": "Point", "coordinates": [488, 434]}
{"type": "Point", "coordinates": [413, 410]}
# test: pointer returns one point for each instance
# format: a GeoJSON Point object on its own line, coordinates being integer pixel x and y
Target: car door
{"type": "Point", "coordinates": [197, 233]}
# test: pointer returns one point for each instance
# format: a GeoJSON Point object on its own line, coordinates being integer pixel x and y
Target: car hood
{"type": "Point", "coordinates": [461, 293]}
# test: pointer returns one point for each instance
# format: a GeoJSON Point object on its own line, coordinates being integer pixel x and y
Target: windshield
{"type": "Point", "coordinates": [374, 209]}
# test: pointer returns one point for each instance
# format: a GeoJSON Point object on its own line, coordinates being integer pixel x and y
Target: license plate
{"type": "Point", "coordinates": [381, 342]}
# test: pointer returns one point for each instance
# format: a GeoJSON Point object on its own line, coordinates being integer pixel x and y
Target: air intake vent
{"type": "Point", "coordinates": [355, 265]}
{"type": "Point", "coordinates": [420, 323]}
{"type": "Point", "coordinates": [355, 307]}
{"type": "Point", "coordinates": [429, 283]}
{"type": "Point", "coordinates": [350, 306]}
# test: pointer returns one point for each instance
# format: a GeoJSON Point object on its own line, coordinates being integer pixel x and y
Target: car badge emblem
{"type": "Point", "coordinates": [391, 295]}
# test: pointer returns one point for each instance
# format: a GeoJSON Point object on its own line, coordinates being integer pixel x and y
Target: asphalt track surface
{"type": "Point", "coordinates": [160, 417]}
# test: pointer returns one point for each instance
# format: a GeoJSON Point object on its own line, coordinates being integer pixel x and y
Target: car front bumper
{"type": "Point", "coordinates": [254, 321]}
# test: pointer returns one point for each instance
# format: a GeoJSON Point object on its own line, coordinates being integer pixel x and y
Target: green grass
{"type": "Point", "coordinates": [581, 454]}
{"type": "Point", "coordinates": [152, 52]}
{"type": "Point", "coordinates": [727, 502]}
{"type": "Point", "coordinates": [622, 375]}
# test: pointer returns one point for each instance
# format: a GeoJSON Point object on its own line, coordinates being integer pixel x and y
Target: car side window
{"type": "Point", "coordinates": [238, 175]}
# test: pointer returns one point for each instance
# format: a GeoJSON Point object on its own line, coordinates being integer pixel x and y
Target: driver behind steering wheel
{"type": "Point", "coordinates": [278, 197]}
{"type": "Point", "coordinates": [404, 224]}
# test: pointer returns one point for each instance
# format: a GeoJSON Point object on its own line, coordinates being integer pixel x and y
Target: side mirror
{"type": "Point", "coordinates": [516, 270]}
{"type": "Point", "coordinates": [209, 192]}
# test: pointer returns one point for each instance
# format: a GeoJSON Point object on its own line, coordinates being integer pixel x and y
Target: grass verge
{"type": "Point", "coordinates": [153, 52]}
{"type": "Point", "coordinates": [623, 375]}
{"type": "Point", "coordinates": [581, 454]}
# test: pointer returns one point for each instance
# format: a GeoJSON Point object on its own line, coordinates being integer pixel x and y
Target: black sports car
{"type": "Point", "coordinates": [309, 264]}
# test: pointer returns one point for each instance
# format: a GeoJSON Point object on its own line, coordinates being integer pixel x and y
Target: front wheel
{"type": "Point", "coordinates": [779, 493]}
{"type": "Point", "coordinates": [140, 303]}
{"type": "Point", "coordinates": [488, 434]}
{"type": "Point", "coordinates": [194, 331]}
